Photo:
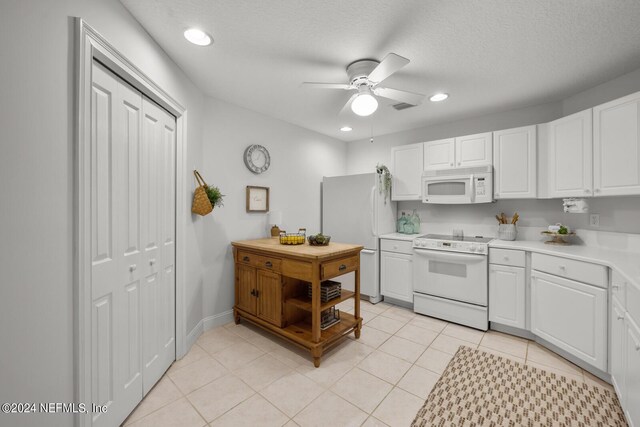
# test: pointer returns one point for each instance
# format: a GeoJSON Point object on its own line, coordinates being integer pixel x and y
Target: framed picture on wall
{"type": "Point", "coordinates": [257, 199]}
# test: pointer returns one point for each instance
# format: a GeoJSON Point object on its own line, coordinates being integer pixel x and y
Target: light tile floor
{"type": "Point", "coordinates": [238, 375]}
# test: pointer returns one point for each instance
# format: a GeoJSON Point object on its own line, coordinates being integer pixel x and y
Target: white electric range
{"type": "Point", "coordinates": [450, 278]}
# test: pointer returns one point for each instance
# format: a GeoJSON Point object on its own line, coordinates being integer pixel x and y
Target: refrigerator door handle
{"type": "Point", "coordinates": [373, 210]}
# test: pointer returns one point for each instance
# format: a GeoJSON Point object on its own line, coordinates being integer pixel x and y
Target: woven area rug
{"type": "Point", "coordinates": [482, 389]}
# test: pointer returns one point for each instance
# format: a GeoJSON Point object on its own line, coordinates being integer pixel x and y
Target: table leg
{"type": "Point", "coordinates": [315, 309]}
{"type": "Point", "coordinates": [357, 302]}
{"type": "Point", "coordinates": [316, 353]}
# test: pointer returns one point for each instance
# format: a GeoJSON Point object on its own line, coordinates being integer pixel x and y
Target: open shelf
{"type": "Point", "coordinates": [303, 329]}
{"type": "Point", "coordinates": [304, 302]}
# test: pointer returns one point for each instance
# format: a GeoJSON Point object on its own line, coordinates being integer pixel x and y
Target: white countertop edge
{"type": "Point", "coordinates": [400, 236]}
{"type": "Point", "coordinates": [626, 263]}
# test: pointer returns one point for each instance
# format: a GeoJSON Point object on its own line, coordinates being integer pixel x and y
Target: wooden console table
{"type": "Point", "coordinates": [271, 290]}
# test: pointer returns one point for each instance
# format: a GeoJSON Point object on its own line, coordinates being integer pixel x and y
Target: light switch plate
{"type": "Point", "coordinates": [594, 220]}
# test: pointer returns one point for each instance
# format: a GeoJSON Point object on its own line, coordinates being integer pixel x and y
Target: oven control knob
{"type": "Point", "coordinates": [473, 248]}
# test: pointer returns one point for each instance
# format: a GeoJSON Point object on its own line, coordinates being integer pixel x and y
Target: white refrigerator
{"type": "Point", "coordinates": [354, 211]}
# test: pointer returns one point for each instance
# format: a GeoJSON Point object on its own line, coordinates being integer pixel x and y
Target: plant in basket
{"type": "Point", "coordinates": [215, 196]}
{"type": "Point", "coordinates": [205, 198]}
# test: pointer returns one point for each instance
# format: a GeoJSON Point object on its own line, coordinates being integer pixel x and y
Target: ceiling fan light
{"type": "Point", "coordinates": [365, 104]}
{"type": "Point", "coordinates": [439, 97]}
{"type": "Point", "coordinates": [198, 37]}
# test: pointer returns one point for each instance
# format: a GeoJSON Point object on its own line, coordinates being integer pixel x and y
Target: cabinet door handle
{"type": "Point", "coordinates": [152, 261]}
{"type": "Point", "coordinates": [268, 264]}
{"type": "Point", "coordinates": [451, 164]}
{"type": "Point", "coordinates": [597, 190]}
{"type": "Point", "coordinates": [132, 267]}
{"type": "Point", "coordinates": [615, 287]}
{"type": "Point", "coordinates": [245, 259]}
{"type": "Point", "coordinates": [342, 267]}
{"type": "Point", "coordinates": [620, 317]}
{"type": "Point", "coordinates": [587, 191]}
{"type": "Point", "coordinates": [257, 293]}
{"type": "Point", "coordinates": [254, 292]}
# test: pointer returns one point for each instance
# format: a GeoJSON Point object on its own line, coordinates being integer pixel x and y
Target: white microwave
{"type": "Point", "coordinates": [458, 185]}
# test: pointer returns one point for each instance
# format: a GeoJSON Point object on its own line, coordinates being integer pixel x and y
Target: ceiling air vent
{"type": "Point", "coordinates": [402, 106]}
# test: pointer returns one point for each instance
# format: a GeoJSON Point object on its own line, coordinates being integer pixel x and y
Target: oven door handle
{"type": "Point", "coordinates": [449, 256]}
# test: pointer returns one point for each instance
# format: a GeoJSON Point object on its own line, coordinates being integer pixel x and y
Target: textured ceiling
{"type": "Point", "coordinates": [489, 55]}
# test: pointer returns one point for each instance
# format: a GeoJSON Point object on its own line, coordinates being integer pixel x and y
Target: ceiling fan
{"type": "Point", "coordinates": [365, 75]}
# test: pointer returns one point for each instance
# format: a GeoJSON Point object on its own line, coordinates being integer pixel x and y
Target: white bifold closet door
{"type": "Point", "coordinates": [132, 205]}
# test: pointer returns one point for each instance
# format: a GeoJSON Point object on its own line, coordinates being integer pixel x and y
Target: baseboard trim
{"type": "Point", "coordinates": [207, 323]}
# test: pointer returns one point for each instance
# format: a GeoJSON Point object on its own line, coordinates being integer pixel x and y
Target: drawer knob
{"type": "Point", "coordinates": [268, 264]}
{"type": "Point", "coordinates": [615, 287]}
{"type": "Point", "coordinates": [563, 268]}
{"type": "Point", "coordinates": [620, 317]}
{"type": "Point", "coordinates": [342, 267]}
{"type": "Point", "coordinates": [152, 261]}
{"type": "Point", "coordinates": [132, 267]}
{"type": "Point", "coordinates": [245, 259]}
{"type": "Point", "coordinates": [506, 258]}
{"type": "Point", "coordinates": [637, 347]}
{"type": "Point", "coordinates": [395, 246]}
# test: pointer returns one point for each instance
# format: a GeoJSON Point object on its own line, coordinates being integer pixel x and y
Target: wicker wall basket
{"type": "Point", "coordinates": [201, 204]}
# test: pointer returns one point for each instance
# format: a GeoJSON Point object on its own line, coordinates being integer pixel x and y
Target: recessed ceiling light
{"type": "Point", "coordinates": [198, 37]}
{"type": "Point", "coordinates": [346, 129]}
{"type": "Point", "coordinates": [439, 97]}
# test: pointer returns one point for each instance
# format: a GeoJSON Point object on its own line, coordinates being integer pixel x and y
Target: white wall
{"type": "Point", "coordinates": [299, 160]}
{"type": "Point", "coordinates": [36, 172]}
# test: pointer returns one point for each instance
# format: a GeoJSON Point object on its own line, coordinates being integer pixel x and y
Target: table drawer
{"type": "Point", "coordinates": [510, 257]}
{"type": "Point", "coordinates": [260, 261]}
{"type": "Point", "coordinates": [399, 246]}
{"type": "Point", "coordinates": [339, 267]}
{"type": "Point", "coordinates": [580, 271]}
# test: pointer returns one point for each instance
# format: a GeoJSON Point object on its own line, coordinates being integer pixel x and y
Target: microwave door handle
{"type": "Point", "coordinates": [472, 188]}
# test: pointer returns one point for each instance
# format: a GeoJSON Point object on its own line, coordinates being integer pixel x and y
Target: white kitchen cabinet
{"type": "Point", "coordinates": [571, 315]}
{"type": "Point", "coordinates": [616, 147]}
{"type": "Point", "coordinates": [617, 351]}
{"type": "Point", "coordinates": [474, 150]}
{"type": "Point", "coordinates": [514, 162]}
{"type": "Point", "coordinates": [407, 172]}
{"type": "Point", "coordinates": [439, 154]}
{"type": "Point", "coordinates": [632, 372]}
{"type": "Point", "coordinates": [507, 300]}
{"type": "Point", "coordinates": [396, 275]}
{"type": "Point", "coordinates": [569, 154]}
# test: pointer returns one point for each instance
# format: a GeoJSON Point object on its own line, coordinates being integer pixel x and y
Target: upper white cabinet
{"type": "Point", "coordinates": [440, 154]}
{"type": "Point", "coordinates": [569, 154]}
{"type": "Point", "coordinates": [407, 172]}
{"type": "Point", "coordinates": [514, 161]}
{"type": "Point", "coordinates": [616, 146]}
{"type": "Point", "coordinates": [474, 150]}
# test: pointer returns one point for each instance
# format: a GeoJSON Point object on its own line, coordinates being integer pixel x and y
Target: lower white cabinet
{"type": "Point", "coordinates": [396, 275]}
{"type": "Point", "coordinates": [631, 393]}
{"type": "Point", "coordinates": [617, 349]}
{"type": "Point", "coordinates": [507, 299]}
{"type": "Point", "coordinates": [571, 315]}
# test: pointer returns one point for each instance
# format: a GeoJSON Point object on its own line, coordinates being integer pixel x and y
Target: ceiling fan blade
{"type": "Point", "coordinates": [389, 65]}
{"type": "Point", "coordinates": [315, 85]}
{"type": "Point", "coordinates": [399, 95]}
{"type": "Point", "coordinates": [347, 106]}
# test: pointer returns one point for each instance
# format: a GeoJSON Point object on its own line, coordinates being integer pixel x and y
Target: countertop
{"type": "Point", "coordinates": [400, 236]}
{"type": "Point", "coordinates": [305, 251]}
{"type": "Point", "coordinates": [624, 262]}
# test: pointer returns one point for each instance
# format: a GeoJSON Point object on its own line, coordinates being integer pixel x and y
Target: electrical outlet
{"type": "Point", "coordinates": [594, 220]}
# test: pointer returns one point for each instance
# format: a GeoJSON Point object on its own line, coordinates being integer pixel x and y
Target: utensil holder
{"type": "Point", "coordinates": [507, 232]}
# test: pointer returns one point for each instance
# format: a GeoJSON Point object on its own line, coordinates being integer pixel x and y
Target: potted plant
{"type": "Point", "coordinates": [384, 177]}
{"type": "Point", "coordinates": [215, 196]}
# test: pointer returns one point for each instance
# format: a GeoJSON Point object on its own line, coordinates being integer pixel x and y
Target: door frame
{"type": "Point", "coordinates": [90, 45]}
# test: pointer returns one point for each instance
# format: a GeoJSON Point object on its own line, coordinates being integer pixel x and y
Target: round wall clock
{"type": "Point", "coordinates": [257, 158]}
